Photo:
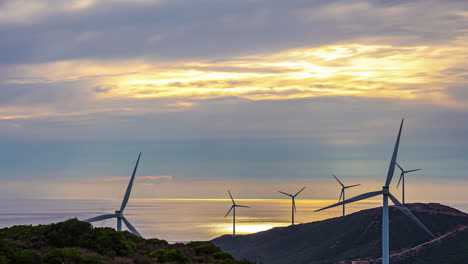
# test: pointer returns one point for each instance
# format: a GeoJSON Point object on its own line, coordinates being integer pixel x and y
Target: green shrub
{"type": "Point", "coordinates": [156, 241]}
{"type": "Point", "coordinates": [4, 260]}
{"type": "Point", "coordinates": [12, 254]}
{"type": "Point", "coordinates": [26, 257]}
{"type": "Point", "coordinates": [66, 256]}
{"type": "Point", "coordinates": [73, 233]}
{"type": "Point", "coordinates": [221, 255]}
{"type": "Point", "coordinates": [204, 248]}
{"type": "Point", "coordinates": [173, 255]}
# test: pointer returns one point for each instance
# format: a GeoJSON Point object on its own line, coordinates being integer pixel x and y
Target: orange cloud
{"type": "Point", "coordinates": [118, 179]}
{"type": "Point", "coordinates": [427, 73]}
{"type": "Point", "coordinates": [168, 177]}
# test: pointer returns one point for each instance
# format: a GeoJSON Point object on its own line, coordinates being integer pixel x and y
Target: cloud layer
{"type": "Point", "coordinates": [231, 89]}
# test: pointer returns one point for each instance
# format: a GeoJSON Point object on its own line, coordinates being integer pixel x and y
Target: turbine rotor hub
{"type": "Point", "coordinates": [385, 190]}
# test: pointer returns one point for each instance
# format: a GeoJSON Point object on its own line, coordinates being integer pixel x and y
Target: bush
{"type": "Point", "coordinates": [4, 260]}
{"type": "Point", "coordinates": [221, 255]}
{"type": "Point", "coordinates": [66, 256]}
{"type": "Point", "coordinates": [204, 248]}
{"type": "Point", "coordinates": [173, 255]}
{"type": "Point", "coordinates": [156, 241]}
{"type": "Point", "coordinates": [12, 254]}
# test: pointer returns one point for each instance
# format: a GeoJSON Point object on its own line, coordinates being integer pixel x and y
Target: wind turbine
{"type": "Point", "coordinates": [402, 177]}
{"type": "Point", "coordinates": [233, 209]}
{"type": "Point", "coordinates": [343, 188]}
{"type": "Point", "coordinates": [385, 195]}
{"type": "Point", "coordinates": [119, 214]}
{"type": "Point", "coordinates": [293, 202]}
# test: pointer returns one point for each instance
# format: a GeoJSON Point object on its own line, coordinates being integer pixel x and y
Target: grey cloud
{"type": "Point", "coordinates": [175, 30]}
{"type": "Point", "coordinates": [231, 137]}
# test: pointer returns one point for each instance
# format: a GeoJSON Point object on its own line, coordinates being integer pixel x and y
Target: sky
{"type": "Point", "coordinates": [251, 95]}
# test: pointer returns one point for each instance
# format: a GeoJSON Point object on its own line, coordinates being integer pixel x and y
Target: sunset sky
{"type": "Point", "coordinates": [252, 95]}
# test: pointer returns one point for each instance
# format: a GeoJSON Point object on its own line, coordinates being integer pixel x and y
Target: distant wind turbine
{"type": "Point", "coordinates": [402, 177]}
{"type": "Point", "coordinates": [119, 214]}
{"type": "Point", "coordinates": [343, 188]}
{"type": "Point", "coordinates": [386, 194]}
{"type": "Point", "coordinates": [233, 209]}
{"type": "Point", "coordinates": [293, 197]}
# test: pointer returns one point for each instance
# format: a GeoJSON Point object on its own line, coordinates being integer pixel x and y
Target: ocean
{"type": "Point", "coordinates": [178, 220]}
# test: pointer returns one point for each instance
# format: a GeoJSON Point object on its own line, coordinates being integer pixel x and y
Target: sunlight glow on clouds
{"type": "Point", "coordinates": [383, 71]}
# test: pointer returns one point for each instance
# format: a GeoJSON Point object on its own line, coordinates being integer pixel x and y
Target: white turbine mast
{"type": "Point", "coordinates": [385, 196]}
{"type": "Point", "coordinates": [343, 188]}
{"type": "Point", "coordinates": [119, 214]}
{"type": "Point", "coordinates": [293, 199]}
{"type": "Point", "coordinates": [233, 209]}
{"type": "Point", "coordinates": [402, 180]}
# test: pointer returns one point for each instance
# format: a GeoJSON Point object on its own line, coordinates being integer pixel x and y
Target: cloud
{"type": "Point", "coordinates": [424, 74]}
{"type": "Point", "coordinates": [231, 89]}
{"type": "Point", "coordinates": [203, 29]}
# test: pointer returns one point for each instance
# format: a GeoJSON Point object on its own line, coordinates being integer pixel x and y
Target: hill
{"type": "Point", "coordinates": [76, 242]}
{"type": "Point", "coordinates": [355, 236]}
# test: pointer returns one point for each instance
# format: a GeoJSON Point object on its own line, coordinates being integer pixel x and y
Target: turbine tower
{"type": "Point", "coordinates": [293, 197]}
{"type": "Point", "coordinates": [402, 177]}
{"type": "Point", "coordinates": [385, 196]}
{"type": "Point", "coordinates": [119, 214]}
{"type": "Point", "coordinates": [343, 188]}
{"type": "Point", "coordinates": [233, 209]}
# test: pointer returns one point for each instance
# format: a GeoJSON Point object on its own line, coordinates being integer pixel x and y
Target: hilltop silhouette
{"type": "Point", "coordinates": [358, 237]}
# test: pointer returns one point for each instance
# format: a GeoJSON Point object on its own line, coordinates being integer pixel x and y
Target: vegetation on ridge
{"type": "Point", "coordinates": [76, 242]}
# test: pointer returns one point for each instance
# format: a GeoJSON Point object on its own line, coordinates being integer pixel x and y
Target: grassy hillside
{"type": "Point", "coordinates": [357, 235]}
{"type": "Point", "coordinates": [76, 242]}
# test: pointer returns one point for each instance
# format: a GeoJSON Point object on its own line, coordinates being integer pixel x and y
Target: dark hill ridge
{"type": "Point", "coordinates": [355, 236]}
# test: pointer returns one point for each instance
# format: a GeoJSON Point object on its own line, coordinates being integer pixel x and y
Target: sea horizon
{"type": "Point", "coordinates": [181, 219]}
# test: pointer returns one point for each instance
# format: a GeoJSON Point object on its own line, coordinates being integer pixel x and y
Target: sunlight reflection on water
{"type": "Point", "coordinates": [176, 219]}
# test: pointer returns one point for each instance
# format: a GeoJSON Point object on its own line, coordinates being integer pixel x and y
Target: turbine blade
{"type": "Point", "coordinates": [99, 218]}
{"type": "Point", "coordinates": [129, 187]}
{"type": "Point", "coordinates": [232, 199]}
{"type": "Point", "coordinates": [338, 180]}
{"type": "Point", "coordinates": [341, 194]}
{"type": "Point", "coordinates": [399, 166]}
{"type": "Point", "coordinates": [130, 227]}
{"type": "Point", "coordinates": [285, 193]}
{"type": "Point", "coordinates": [401, 177]}
{"type": "Point", "coordinates": [391, 167]}
{"type": "Point", "coordinates": [294, 205]}
{"type": "Point", "coordinates": [242, 206]}
{"type": "Point", "coordinates": [229, 211]}
{"type": "Point", "coordinates": [354, 199]}
{"type": "Point", "coordinates": [408, 213]}
{"type": "Point", "coordinates": [352, 186]}
{"type": "Point", "coordinates": [412, 170]}
{"type": "Point", "coordinates": [299, 191]}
